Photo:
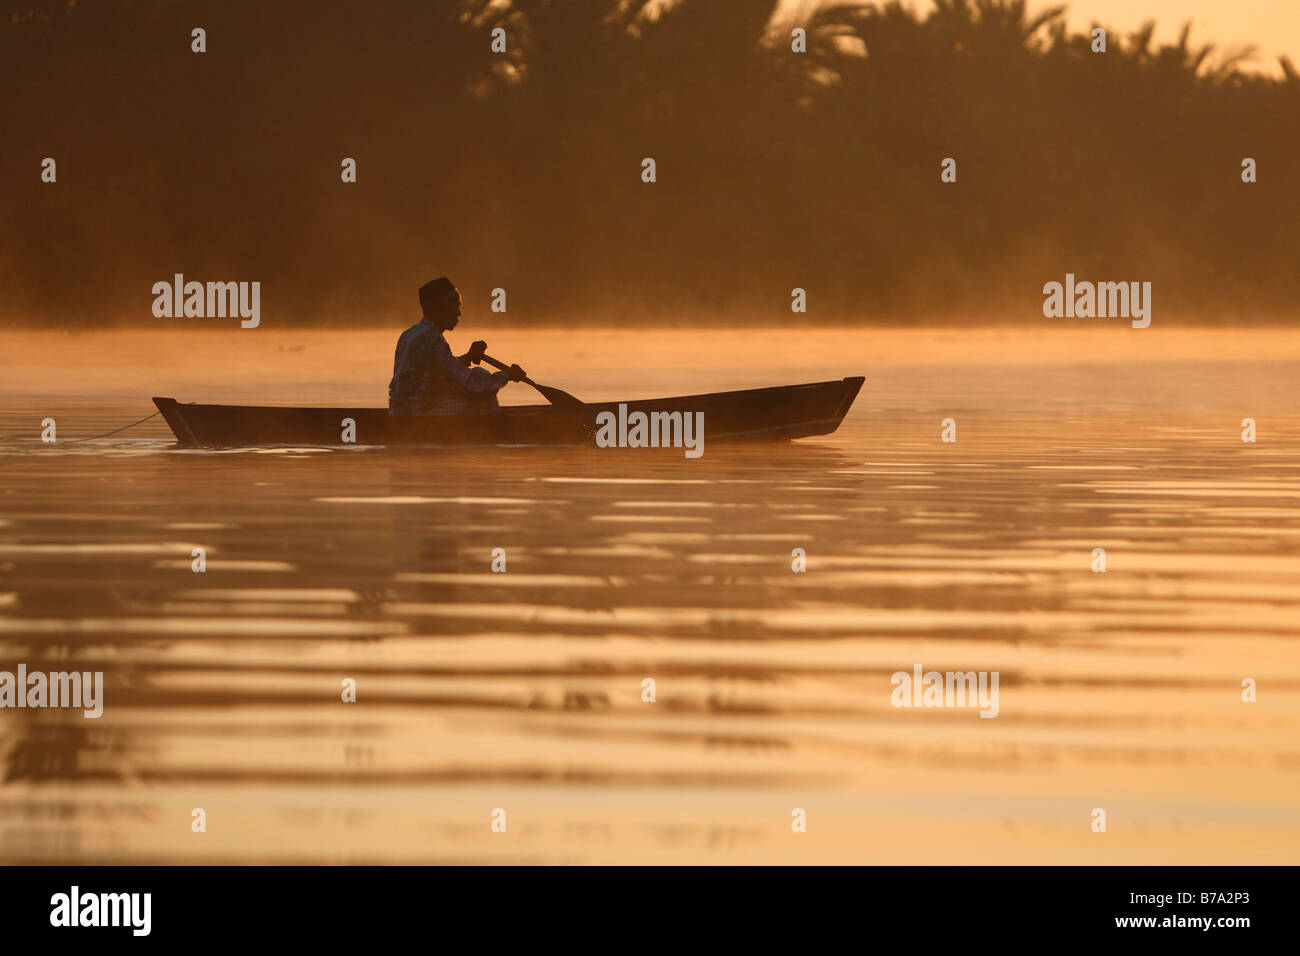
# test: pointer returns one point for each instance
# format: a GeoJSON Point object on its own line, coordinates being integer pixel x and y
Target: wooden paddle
{"type": "Point", "coordinates": [555, 396]}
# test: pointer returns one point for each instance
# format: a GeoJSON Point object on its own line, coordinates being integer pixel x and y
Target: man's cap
{"type": "Point", "coordinates": [436, 290]}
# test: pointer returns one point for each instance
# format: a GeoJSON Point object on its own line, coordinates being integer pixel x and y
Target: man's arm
{"type": "Point", "coordinates": [458, 371]}
{"type": "Point", "coordinates": [474, 355]}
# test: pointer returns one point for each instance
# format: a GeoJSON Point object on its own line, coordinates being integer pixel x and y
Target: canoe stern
{"type": "Point", "coordinates": [171, 413]}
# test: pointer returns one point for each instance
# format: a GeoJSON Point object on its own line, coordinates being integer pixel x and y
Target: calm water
{"type": "Point", "coordinates": [523, 690]}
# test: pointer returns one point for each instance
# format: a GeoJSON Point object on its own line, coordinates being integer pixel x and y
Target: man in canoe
{"type": "Point", "coordinates": [427, 378]}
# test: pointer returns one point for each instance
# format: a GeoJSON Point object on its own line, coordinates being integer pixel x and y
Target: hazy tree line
{"type": "Point", "coordinates": [522, 170]}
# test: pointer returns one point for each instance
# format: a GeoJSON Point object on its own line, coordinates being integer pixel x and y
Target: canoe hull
{"type": "Point", "coordinates": [791, 411]}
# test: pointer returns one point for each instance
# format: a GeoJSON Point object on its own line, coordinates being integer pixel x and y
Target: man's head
{"type": "Point", "coordinates": [441, 303]}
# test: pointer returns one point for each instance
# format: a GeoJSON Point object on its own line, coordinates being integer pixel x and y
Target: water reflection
{"type": "Point", "coordinates": [524, 689]}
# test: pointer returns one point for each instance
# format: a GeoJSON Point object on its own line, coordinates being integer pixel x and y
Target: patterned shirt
{"type": "Point", "coordinates": [429, 380]}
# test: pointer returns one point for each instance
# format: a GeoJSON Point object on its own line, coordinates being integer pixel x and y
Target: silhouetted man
{"type": "Point", "coordinates": [427, 378]}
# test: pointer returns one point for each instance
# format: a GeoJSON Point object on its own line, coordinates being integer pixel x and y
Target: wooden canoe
{"type": "Point", "coordinates": [785, 412]}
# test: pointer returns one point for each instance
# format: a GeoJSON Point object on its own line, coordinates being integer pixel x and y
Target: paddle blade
{"type": "Point", "coordinates": [558, 398]}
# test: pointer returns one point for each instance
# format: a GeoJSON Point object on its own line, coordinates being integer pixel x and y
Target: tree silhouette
{"type": "Point", "coordinates": [775, 169]}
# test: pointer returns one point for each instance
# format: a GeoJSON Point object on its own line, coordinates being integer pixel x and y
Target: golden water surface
{"type": "Point", "coordinates": [522, 690]}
